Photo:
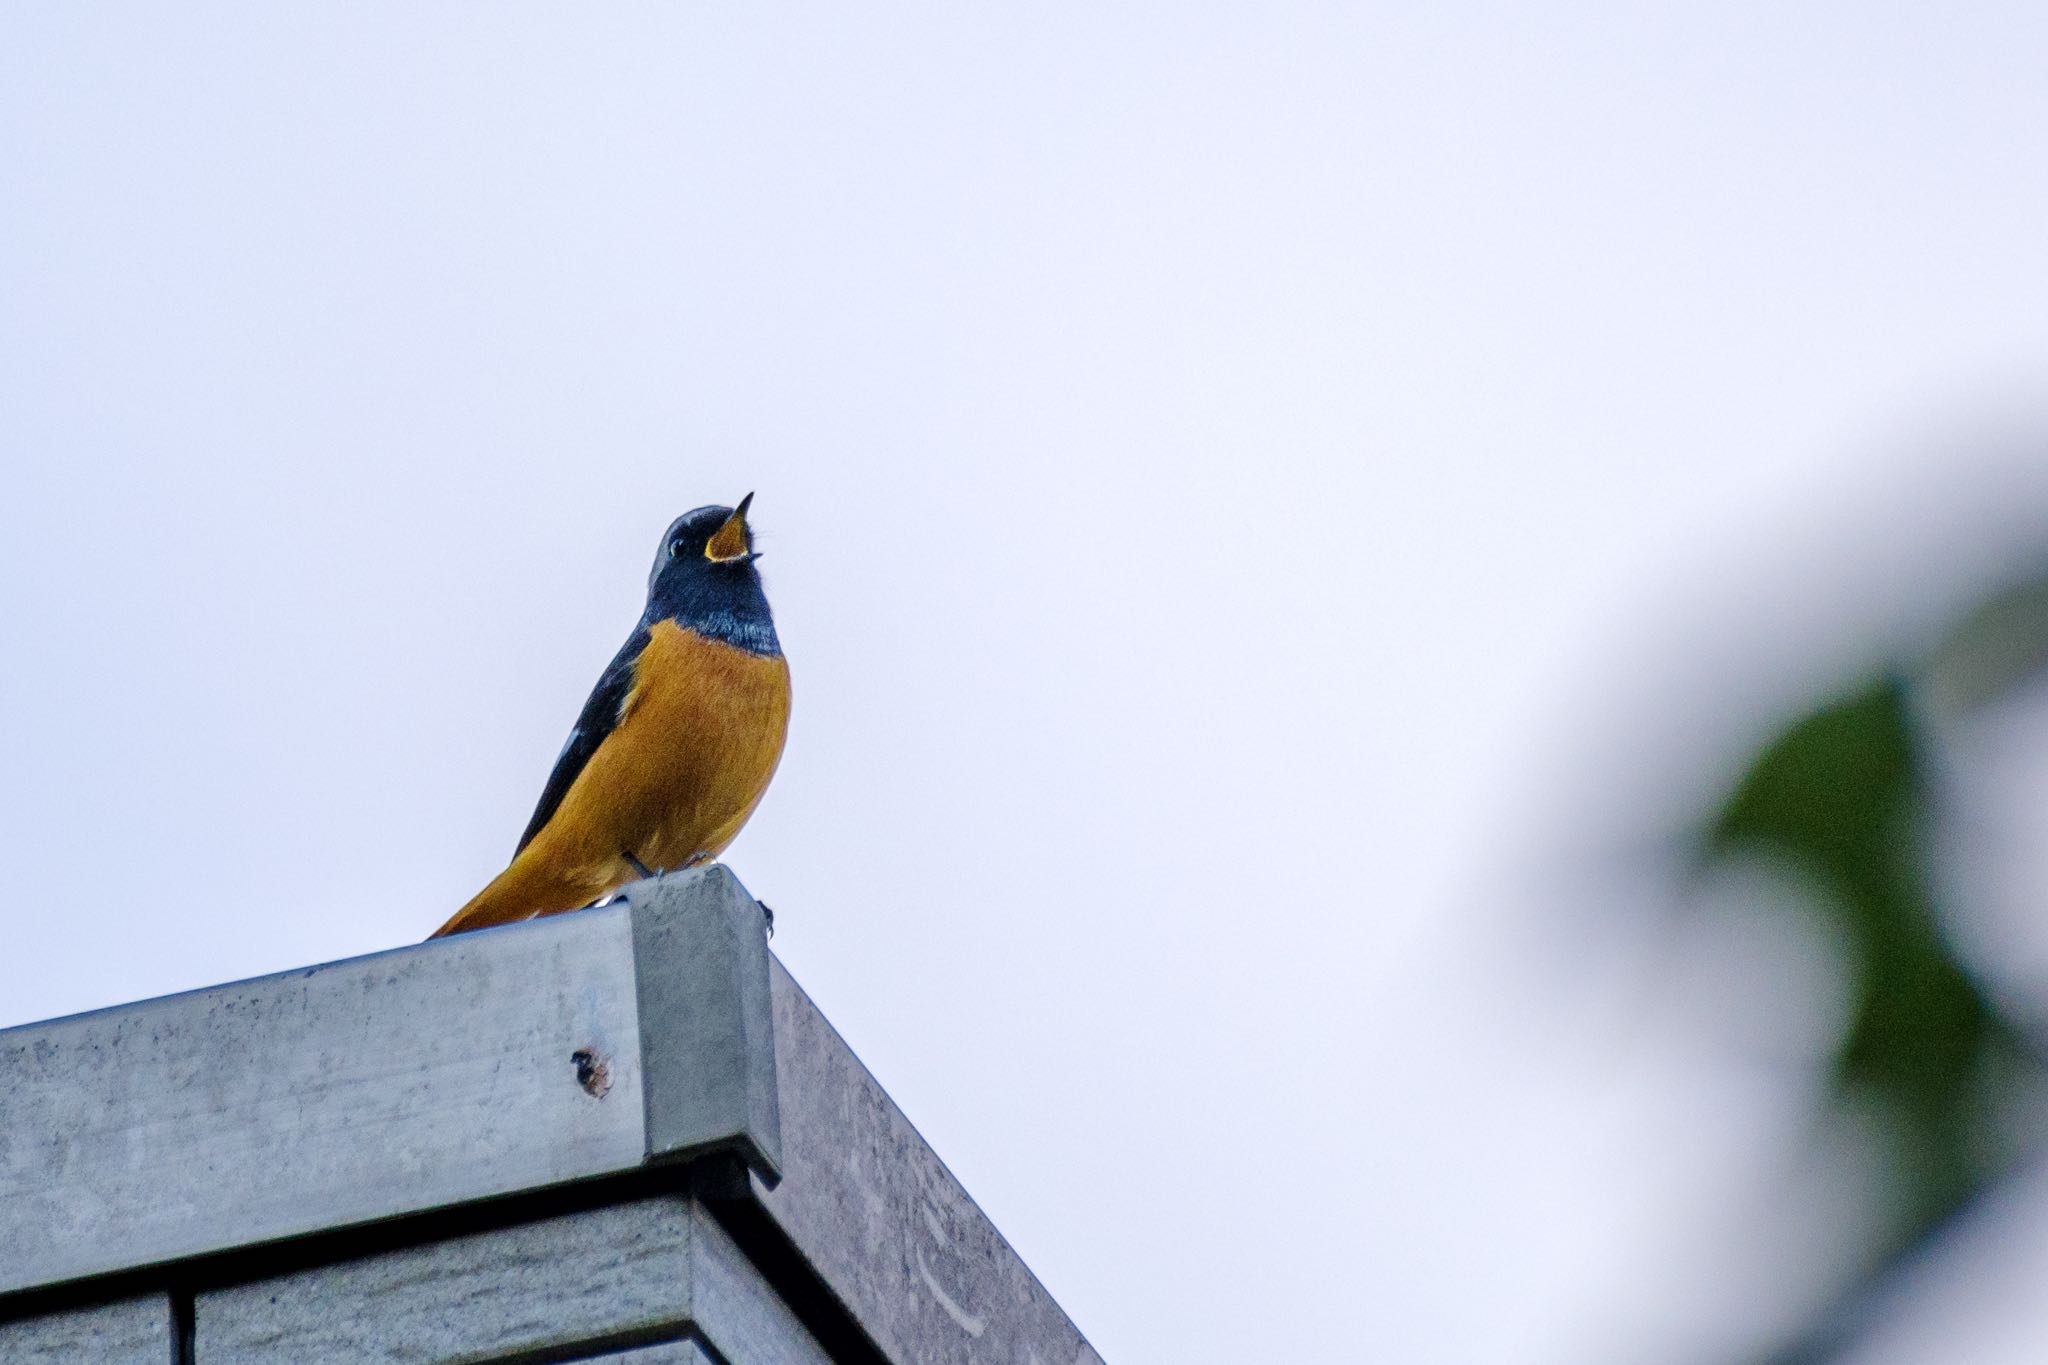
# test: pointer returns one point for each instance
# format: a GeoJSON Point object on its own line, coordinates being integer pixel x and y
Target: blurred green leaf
{"type": "Point", "coordinates": [1842, 797]}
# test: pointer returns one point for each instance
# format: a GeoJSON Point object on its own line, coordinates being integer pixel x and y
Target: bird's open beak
{"type": "Point", "coordinates": [729, 542]}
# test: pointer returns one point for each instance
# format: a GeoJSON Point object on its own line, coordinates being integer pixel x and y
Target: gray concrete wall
{"type": "Point", "coordinates": [315, 1166]}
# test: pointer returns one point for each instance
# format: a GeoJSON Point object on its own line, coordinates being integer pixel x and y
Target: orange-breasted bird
{"type": "Point", "coordinates": [674, 748]}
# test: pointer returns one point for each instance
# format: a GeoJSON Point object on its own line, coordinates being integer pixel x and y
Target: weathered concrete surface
{"type": "Point", "coordinates": [668, 1353]}
{"type": "Point", "coordinates": [485, 1064]}
{"type": "Point", "coordinates": [580, 1048]}
{"type": "Point", "coordinates": [701, 952]}
{"type": "Point", "coordinates": [884, 1222]}
{"type": "Point", "coordinates": [573, 1283]}
{"type": "Point", "coordinates": [316, 1099]}
{"type": "Point", "coordinates": [556, 1282]}
{"type": "Point", "coordinates": [136, 1331]}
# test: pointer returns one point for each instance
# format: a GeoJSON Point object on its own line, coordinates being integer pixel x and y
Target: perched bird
{"type": "Point", "coordinates": [674, 748]}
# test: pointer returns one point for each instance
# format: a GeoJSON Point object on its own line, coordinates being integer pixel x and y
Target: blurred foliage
{"type": "Point", "coordinates": [1845, 799]}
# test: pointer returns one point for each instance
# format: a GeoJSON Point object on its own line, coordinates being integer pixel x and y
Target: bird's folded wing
{"type": "Point", "coordinates": [599, 718]}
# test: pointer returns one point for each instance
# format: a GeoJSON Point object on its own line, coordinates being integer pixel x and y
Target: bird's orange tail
{"type": "Point", "coordinates": [523, 891]}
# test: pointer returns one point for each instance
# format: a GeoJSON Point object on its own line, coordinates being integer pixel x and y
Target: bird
{"type": "Point", "coordinates": [677, 743]}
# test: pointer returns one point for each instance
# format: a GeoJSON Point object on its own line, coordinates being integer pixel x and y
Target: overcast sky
{"type": "Point", "coordinates": [1222, 471]}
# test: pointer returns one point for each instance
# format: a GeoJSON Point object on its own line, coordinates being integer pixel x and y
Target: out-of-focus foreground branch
{"type": "Point", "coordinates": [1845, 800]}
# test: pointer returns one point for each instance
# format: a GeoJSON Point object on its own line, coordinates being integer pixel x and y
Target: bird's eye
{"type": "Point", "coordinates": [675, 547]}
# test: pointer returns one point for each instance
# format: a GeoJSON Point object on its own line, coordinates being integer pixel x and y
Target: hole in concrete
{"type": "Point", "coordinates": [593, 1073]}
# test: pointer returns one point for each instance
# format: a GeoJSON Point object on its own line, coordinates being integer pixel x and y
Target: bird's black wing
{"type": "Point", "coordinates": [600, 717]}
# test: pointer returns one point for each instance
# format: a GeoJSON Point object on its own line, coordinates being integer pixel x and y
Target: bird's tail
{"type": "Point", "coordinates": [526, 890]}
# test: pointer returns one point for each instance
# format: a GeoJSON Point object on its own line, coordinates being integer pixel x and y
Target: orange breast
{"type": "Point", "coordinates": [699, 737]}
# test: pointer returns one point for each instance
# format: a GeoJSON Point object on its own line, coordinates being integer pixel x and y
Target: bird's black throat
{"type": "Point", "coordinates": [722, 602]}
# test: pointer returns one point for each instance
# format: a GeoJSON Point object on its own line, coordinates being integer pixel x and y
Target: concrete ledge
{"type": "Point", "coordinates": [487, 1064]}
{"type": "Point", "coordinates": [137, 1331]}
{"type": "Point", "coordinates": [743, 1189]}
{"type": "Point", "coordinates": [578, 1286]}
{"type": "Point", "coordinates": [700, 953]}
{"type": "Point", "coordinates": [884, 1223]}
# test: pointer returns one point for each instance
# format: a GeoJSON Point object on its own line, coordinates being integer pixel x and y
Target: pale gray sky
{"type": "Point", "coordinates": [1220, 468]}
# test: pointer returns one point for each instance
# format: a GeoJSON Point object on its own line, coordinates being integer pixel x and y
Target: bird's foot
{"type": "Point", "coordinates": [637, 865]}
{"type": "Point", "coordinates": [767, 917]}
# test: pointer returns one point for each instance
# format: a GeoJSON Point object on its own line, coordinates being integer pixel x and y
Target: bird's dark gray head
{"type": "Point", "coordinates": [704, 580]}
